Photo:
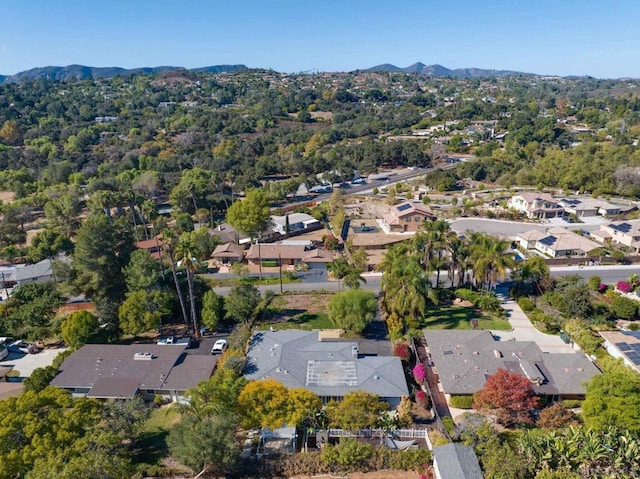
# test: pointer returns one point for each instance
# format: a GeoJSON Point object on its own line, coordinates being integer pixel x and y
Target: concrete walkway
{"type": "Point", "coordinates": [523, 330]}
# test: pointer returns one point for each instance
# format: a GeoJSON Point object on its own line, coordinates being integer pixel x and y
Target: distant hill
{"type": "Point", "coordinates": [440, 71]}
{"type": "Point", "coordinates": [82, 72]}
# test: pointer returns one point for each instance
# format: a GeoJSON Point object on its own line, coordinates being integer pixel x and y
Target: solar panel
{"type": "Point", "coordinates": [548, 240]}
{"type": "Point", "coordinates": [403, 207]}
{"type": "Point", "coordinates": [623, 346]}
{"type": "Point", "coordinates": [624, 227]}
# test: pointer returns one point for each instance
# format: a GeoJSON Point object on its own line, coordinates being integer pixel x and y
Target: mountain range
{"type": "Point", "coordinates": [82, 72]}
{"type": "Point", "coordinates": [440, 71]}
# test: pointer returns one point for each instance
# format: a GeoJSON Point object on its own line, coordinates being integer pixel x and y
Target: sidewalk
{"type": "Point", "coordinates": [523, 330]}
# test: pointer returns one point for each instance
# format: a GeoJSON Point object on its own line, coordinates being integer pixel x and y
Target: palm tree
{"type": "Point", "coordinates": [171, 241]}
{"type": "Point", "coordinates": [432, 243]}
{"type": "Point", "coordinates": [404, 283]}
{"type": "Point", "coordinates": [339, 269]}
{"type": "Point", "coordinates": [491, 260]}
{"type": "Point", "coordinates": [185, 254]}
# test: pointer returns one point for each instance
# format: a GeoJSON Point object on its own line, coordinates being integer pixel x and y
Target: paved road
{"type": "Point", "coordinates": [608, 274]}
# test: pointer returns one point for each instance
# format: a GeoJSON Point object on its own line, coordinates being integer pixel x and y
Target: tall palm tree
{"type": "Point", "coordinates": [185, 254]}
{"type": "Point", "coordinates": [432, 243]}
{"type": "Point", "coordinates": [491, 260]}
{"type": "Point", "coordinates": [171, 242]}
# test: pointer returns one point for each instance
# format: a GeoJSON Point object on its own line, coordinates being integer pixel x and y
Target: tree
{"type": "Point", "coordinates": [555, 416]}
{"type": "Point", "coordinates": [39, 379]}
{"type": "Point", "coordinates": [36, 426]}
{"type": "Point", "coordinates": [217, 395]}
{"type": "Point", "coordinates": [212, 310]}
{"type": "Point", "coordinates": [143, 311]}
{"type": "Point", "coordinates": [47, 244]}
{"type": "Point", "coordinates": [264, 403]}
{"type": "Point", "coordinates": [357, 410]}
{"type": "Point", "coordinates": [241, 302]}
{"type": "Point", "coordinates": [491, 261]}
{"type": "Point", "coordinates": [250, 215]}
{"type": "Point", "coordinates": [611, 399]}
{"type": "Point", "coordinates": [508, 395]}
{"type": "Point", "coordinates": [205, 445]}
{"type": "Point", "coordinates": [352, 310]}
{"type": "Point", "coordinates": [142, 271]}
{"type": "Point", "coordinates": [78, 327]}
{"type": "Point", "coordinates": [103, 249]}
{"type": "Point", "coordinates": [186, 256]}
{"type": "Point", "coordinates": [301, 401]}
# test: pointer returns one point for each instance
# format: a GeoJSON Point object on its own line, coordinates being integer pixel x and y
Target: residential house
{"type": "Point", "coordinates": [407, 217]}
{"type": "Point", "coordinates": [228, 253]}
{"type": "Point", "coordinates": [536, 205]}
{"type": "Point", "coordinates": [624, 345]}
{"type": "Point", "coordinates": [295, 223]}
{"type": "Point", "coordinates": [110, 371]}
{"type": "Point", "coordinates": [586, 206]}
{"type": "Point", "coordinates": [330, 369]}
{"type": "Point", "coordinates": [626, 233]}
{"type": "Point", "coordinates": [154, 245]}
{"type": "Point", "coordinates": [275, 254]}
{"type": "Point", "coordinates": [560, 243]}
{"type": "Point", "coordinates": [456, 461]}
{"type": "Point", "coordinates": [528, 239]}
{"type": "Point", "coordinates": [464, 359]}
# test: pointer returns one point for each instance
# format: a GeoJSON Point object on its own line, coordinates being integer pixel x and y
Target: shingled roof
{"type": "Point", "coordinates": [464, 360]}
{"type": "Point", "coordinates": [327, 368]}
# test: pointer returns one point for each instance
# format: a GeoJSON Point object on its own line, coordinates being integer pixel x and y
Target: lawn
{"type": "Point", "coordinates": [459, 317]}
{"type": "Point", "coordinates": [152, 445]}
{"type": "Point", "coordinates": [297, 311]}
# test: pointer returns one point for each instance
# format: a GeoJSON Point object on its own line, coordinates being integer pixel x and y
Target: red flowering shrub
{"type": "Point", "coordinates": [623, 287]}
{"type": "Point", "coordinates": [422, 399]}
{"type": "Point", "coordinates": [402, 350]}
{"type": "Point", "coordinates": [419, 373]}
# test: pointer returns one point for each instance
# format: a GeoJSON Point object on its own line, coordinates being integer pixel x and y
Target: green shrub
{"type": "Point", "coordinates": [269, 263]}
{"type": "Point", "coordinates": [526, 304]}
{"type": "Point", "coordinates": [624, 307]}
{"type": "Point", "coordinates": [571, 403]}
{"type": "Point", "coordinates": [449, 425]}
{"type": "Point", "coordinates": [462, 402]}
{"type": "Point", "coordinates": [634, 327]}
{"type": "Point", "coordinates": [466, 294]}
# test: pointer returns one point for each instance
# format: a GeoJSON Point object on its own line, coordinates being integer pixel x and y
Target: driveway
{"type": "Point", "coordinates": [26, 363]}
{"type": "Point", "coordinates": [523, 330]}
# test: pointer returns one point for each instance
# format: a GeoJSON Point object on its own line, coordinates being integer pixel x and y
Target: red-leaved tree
{"type": "Point", "coordinates": [509, 396]}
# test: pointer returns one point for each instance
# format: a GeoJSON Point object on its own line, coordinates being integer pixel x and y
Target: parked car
{"type": "Point", "coordinates": [220, 346]}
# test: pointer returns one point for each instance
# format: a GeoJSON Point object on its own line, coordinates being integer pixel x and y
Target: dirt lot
{"type": "Point", "coordinates": [300, 309]}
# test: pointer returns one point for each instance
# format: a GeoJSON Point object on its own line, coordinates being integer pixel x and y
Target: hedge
{"type": "Point", "coordinates": [462, 402]}
{"type": "Point", "coordinates": [526, 304]}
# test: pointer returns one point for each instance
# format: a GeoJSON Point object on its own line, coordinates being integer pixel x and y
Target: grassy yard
{"type": "Point", "coordinates": [152, 445]}
{"type": "Point", "coordinates": [297, 311]}
{"type": "Point", "coordinates": [459, 317]}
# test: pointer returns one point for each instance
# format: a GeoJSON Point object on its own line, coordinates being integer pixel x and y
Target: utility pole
{"type": "Point", "coordinates": [280, 263]}
{"type": "Point", "coordinates": [259, 257]}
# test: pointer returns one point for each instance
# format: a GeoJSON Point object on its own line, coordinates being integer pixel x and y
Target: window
{"type": "Point", "coordinates": [408, 219]}
{"type": "Point", "coordinates": [417, 219]}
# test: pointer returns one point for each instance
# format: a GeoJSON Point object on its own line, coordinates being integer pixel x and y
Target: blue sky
{"type": "Point", "coordinates": [561, 37]}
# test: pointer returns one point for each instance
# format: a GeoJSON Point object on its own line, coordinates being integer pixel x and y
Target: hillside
{"type": "Point", "coordinates": [440, 71]}
{"type": "Point", "coordinates": [81, 72]}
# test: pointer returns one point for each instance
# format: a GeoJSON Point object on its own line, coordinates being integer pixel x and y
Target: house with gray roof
{"type": "Point", "coordinates": [456, 461]}
{"type": "Point", "coordinates": [464, 359]}
{"type": "Point", "coordinates": [109, 371]}
{"type": "Point", "coordinates": [330, 369]}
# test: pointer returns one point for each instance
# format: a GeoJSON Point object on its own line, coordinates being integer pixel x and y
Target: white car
{"type": "Point", "coordinates": [220, 346]}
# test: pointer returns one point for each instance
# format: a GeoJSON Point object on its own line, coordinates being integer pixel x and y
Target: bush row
{"type": "Point", "coordinates": [486, 302]}
{"type": "Point", "coordinates": [462, 402]}
{"type": "Point", "coordinates": [350, 455]}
